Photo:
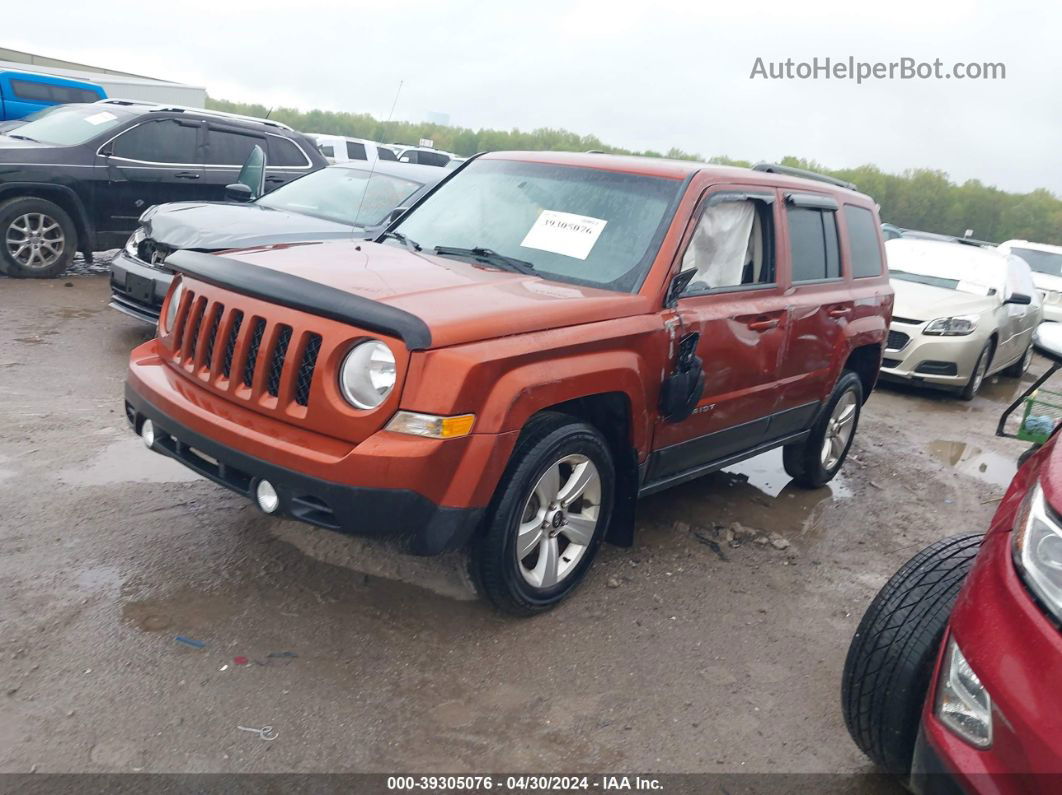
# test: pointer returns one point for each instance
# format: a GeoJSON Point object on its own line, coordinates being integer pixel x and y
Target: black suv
{"type": "Point", "coordinates": [79, 177]}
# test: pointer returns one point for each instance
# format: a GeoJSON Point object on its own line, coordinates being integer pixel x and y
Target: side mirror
{"type": "Point", "coordinates": [679, 282]}
{"type": "Point", "coordinates": [238, 192]}
{"type": "Point", "coordinates": [252, 174]}
{"type": "Point", "coordinates": [1018, 298]}
{"type": "Point", "coordinates": [1048, 340]}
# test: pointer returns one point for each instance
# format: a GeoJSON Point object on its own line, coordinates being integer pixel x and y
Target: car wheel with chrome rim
{"type": "Point", "coordinates": [548, 516]}
{"type": "Point", "coordinates": [814, 462]}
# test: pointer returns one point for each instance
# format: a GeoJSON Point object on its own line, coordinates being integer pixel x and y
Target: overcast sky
{"type": "Point", "coordinates": [645, 75]}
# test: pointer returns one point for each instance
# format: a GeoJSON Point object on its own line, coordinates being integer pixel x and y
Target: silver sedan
{"type": "Point", "coordinates": [962, 313]}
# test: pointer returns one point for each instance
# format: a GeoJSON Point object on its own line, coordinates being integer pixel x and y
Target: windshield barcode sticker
{"type": "Point", "coordinates": [564, 233]}
{"type": "Point", "coordinates": [100, 118]}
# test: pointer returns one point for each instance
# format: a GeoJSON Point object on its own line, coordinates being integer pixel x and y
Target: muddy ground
{"type": "Point", "coordinates": [675, 656]}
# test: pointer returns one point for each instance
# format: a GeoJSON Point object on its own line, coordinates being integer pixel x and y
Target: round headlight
{"type": "Point", "coordinates": [172, 306]}
{"type": "Point", "coordinates": [368, 374]}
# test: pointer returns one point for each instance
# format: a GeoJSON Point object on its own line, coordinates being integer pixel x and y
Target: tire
{"type": "Point", "coordinates": [37, 238]}
{"type": "Point", "coordinates": [1017, 370]}
{"type": "Point", "coordinates": [890, 660]}
{"type": "Point", "coordinates": [977, 377]}
{"type": "Point", "coordinates": [560, 444]}
{"type": "Point", "coordinates": [807, 462]}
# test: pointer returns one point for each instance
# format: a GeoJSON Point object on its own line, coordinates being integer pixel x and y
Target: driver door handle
{"type": "Point", "coordinates": [187, 175]}
{"type": "Point", "coordinates": [763, 324]}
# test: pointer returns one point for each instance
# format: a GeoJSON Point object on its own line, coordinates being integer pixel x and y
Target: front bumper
{"type": "Point", "coordinates": [137, 289]}
{"type": "Point", "coordinates": [421, 492]}
{"type": "Point", "coordinates": [1017, 653]}
{"type": "Point", "coordinates": [934, 360]}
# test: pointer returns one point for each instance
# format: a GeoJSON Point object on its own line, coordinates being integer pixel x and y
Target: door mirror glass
{"type": "Point", "coordinates": [252, 174]}
{"type": "Point", "coordinates": [1048, 340]}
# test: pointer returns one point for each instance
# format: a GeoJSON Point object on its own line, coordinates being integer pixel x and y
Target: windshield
{"type": "Point", "coordinates": [1041, 261]}
{"type": "Point", "coordinates": [70, 125]}
{"type": "Point", "coordinates": [583, 225]}
{"type": "Point", "coordinates": [344, 195]}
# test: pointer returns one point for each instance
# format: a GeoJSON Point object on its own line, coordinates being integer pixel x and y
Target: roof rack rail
{"type": "Point", "coordinates": [158, 107]}
{"type": "Point", "coordinates": [775, 168]}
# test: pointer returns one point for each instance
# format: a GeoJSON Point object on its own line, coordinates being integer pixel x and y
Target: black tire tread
{"type": "Point", "coordinates": [891, 657]}
{"type": "Point", "coordinates": [487, 569]}
{"type": "Point", "coordinates": [801, 461]}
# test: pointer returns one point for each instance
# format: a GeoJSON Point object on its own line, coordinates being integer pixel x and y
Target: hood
{"type": "Point", "coordinates": [459, 301]}
{"type": "Point", "coordinates": [924, 302]}
{"type": "Point", "coordinates": [211, 226]}
{"type": "Point", "coordinates": [1047, 281]}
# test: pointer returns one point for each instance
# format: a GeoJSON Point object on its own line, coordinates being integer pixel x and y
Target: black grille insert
{"type": "Point", "coordinates": [897, 340]}
{"type": "Point", "coordinates": [276, 366]}
{"type": "Point", "coordinates": [212, 332]}
{"type": "Point", "coordinates": [257, 330]}
{"type": "Point", "coordinates": [195, 324]}
{"type": "Point", "coordinates": [230, 344]}
{"type": "Point", "coordinates": [306, 368]}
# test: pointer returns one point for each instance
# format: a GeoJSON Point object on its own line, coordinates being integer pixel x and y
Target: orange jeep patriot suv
{"type": "Point", "coordinates": [536, 343]}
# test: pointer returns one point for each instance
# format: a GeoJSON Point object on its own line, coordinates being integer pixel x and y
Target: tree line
{"type": "Point", "coordinates": [917, 198]}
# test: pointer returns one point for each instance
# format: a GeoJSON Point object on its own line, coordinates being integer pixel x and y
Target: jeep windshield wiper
{"type": "Point", "coordinates": [489, 257]}
{"type": "Point", "coordinates": [412, 245]}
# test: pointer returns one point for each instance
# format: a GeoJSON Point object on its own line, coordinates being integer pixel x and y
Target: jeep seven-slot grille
{"type": "Point", "coordinates": [240, 352]}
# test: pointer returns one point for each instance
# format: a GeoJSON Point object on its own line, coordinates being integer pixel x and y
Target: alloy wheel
{"type": "Point", "coordinates": [839, 430]}
{"type": "Point", "coordinates": [558, 521]}
{"type": "Point", "coordinates": [979, 373]}
{"type": "Point", "coordinates": [35, 241]}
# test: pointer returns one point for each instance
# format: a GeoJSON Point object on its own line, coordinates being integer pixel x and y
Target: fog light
{"type": "Point", "coordinates": [268, 499]}
{"type": "Point", "coordinates": [147, 433]}
{"type": "Point", "coordinates": [963, 703]}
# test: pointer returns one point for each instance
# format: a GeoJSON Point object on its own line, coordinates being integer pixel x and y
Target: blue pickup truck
{"type": "Point", "coordinates": [23, 93]}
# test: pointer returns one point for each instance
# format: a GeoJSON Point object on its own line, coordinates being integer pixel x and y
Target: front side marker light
{"type": "Point", "coordinates": [431, 425]}
{"type": "Point", "coordinates": [963, 703]}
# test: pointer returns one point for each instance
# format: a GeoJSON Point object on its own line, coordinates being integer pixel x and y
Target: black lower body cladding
{"type": "Point", "coordinates": [420, 526]}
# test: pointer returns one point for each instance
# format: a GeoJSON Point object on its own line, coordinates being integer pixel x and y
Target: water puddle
{"type": "Point", "coordinates": [127, 461]}
{"type": "Point", "coordinates": [766, 474]}
{"type": "Point", "coordinates": [982, 464]}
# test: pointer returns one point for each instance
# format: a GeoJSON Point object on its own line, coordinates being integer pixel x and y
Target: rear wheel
{"type": "Point", "coordinates": [38, 238]}
{"type": "Point", "coordinates": [815, 461]}
{"type": "Point", "coordinates": [890, 660]}
{"type": "Point", "coordinates": [1018, 369]}
{"type": "Point", "coordinates": [547, 518]}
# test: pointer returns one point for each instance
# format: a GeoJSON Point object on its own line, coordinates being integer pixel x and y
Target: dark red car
{"type": "Point", "coordinates": [954, 677]}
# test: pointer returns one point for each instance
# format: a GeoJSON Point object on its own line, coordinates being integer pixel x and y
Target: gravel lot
{"type": "Point", "coordinates": [688, 653]}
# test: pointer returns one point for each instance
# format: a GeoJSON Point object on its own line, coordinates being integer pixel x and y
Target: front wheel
{"type": "Point", "coordinates": [814, 462]}
{"type": "Point", "coordinates": [1018, 369]}
{"type": "Point", "coordinates": [978, 376]}
{"type": "Point", "coordinates": [890, 661]}
{"type": "Point", "coordinates": [39, 239]}
{"type": "Point", "coordinates": [547, 518]}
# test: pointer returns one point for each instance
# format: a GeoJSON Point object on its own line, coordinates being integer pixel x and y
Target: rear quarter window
{"type": "Point", "coordinates": [356, 151]}
{"type": "Point", "coordinates": [283, 152]}
{"type": "Point", "coordinates": [229, 147]}
{"type": "Point", "coordinates": [863, 239]}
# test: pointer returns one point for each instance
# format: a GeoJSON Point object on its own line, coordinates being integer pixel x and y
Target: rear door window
{"type": "Point", "coordinates": [230, 148]}
{"type": "Point", "coordinates": [863, 239]}
{"type": "Point", "coordinates": [386, 154]}
{"type": "Point", "coordinates": [356, 151]}
{"type": "Point", "coordinates": [284, 152]}
{"type": "Point", "coordinates": [162, 141]}
{"type": "Point", "coordinates": [813, 246]}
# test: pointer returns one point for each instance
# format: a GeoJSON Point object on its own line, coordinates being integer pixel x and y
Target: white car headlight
{"type": "Point", "coordinates": [963, 703]}
{"type": "Point", "coordinates": [1037, 550]}
{"type": "Point", "coordinates": [132, 245]}
{"type": "Point", "coordinates": [367, 375]}
{"type": "Point", "coordinates": [176, 292]}
{"type": "Point", "coordinates": [955, 326]}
